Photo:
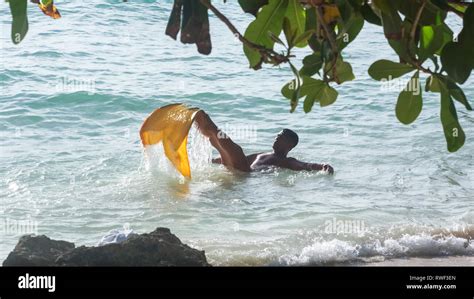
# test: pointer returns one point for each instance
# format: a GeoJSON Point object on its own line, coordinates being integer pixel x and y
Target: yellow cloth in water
{"type": "Point", "coordinates": [170, 124]}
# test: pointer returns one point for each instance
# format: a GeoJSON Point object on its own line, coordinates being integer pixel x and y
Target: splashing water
{"type": "Point", "coordinates": [199, 150]}
{"type": "Point", "coordinates": [199, 154]}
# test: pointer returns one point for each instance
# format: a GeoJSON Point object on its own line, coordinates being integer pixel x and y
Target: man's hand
{"type": "Point", "coordinates": [204, 123]}
{"type": "Point", "coordinates": [294, 164]}
{"type": "Point", "coordinates": [328, 168]}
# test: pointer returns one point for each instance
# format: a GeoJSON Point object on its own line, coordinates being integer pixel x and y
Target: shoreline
{"type": "Point", "coordinates": [163, 248]}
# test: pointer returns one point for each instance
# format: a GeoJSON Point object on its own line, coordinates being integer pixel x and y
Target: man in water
{"type": "Point", "coordinates": [233, 157]}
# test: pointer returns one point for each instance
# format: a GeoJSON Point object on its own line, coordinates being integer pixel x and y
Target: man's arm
{"type": "Point", "coordinates": [250, 159]}
{"type": "Point", "coordinates": [293, 164]}
{"type": "Point", "coordinates": [232, 155]}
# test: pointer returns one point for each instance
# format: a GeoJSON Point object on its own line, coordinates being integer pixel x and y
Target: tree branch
{"type": "Point", "coordinates": [267, 54]}
{"type": "Point", "coordinates": [329, 37]}
{"type": "Point", "coordinates": [326, 30]}
{"type": "Point", "coordinates": [416, 62]}
{"type": "Point", "coordinates": [417, 20]}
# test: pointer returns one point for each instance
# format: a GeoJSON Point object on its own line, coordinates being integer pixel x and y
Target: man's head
{"type": "Point", "coordinates": [285, 141]}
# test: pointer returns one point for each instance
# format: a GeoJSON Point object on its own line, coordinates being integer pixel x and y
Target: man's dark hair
{"type": "Point", "coordinates": [291, 135]}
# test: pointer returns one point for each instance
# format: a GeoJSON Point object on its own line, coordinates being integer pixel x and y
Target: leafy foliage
{"type": "Point", "coordinates": [410, 101]}
{"type": "Point", "coordinates": [18, 9]}
{"type": "Point", "coordinates": [415, 29]}
{"type": "Point", "coordinates": [191, 18]}
{"type": "Point", "coordinates": [268, 23]}
{"type": "Point", "coordinates": [20, 20]}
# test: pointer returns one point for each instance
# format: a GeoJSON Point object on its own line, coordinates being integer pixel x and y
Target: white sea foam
{"type": "Point", "coordinates": [339, 251]}
{"type": "Point", "coordinates": [318, 248]}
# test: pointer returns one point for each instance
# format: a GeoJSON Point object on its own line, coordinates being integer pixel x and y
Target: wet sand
{"type": "Point", "coordinates": [452, 261]}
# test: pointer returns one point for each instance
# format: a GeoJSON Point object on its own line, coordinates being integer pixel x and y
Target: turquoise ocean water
{"type": "Point", "coordinates": [75, 92]}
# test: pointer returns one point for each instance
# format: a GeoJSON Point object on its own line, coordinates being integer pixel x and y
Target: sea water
{"type": "Point", "coordinates": [75, 92]}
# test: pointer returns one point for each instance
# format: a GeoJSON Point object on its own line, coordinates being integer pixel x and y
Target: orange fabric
{"type": "Point", "coordinates": [50, 10]}
{"type": "Point", "coordinates": [170, 124]}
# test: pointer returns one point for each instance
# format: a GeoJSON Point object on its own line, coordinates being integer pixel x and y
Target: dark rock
{"type": "Point", "coordinates": [158, 248]}
{"type": "Point", "coordinates": [37, 251]}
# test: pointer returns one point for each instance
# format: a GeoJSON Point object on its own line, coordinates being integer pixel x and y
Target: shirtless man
{"type": "Point", "coordinates": [233, 157]}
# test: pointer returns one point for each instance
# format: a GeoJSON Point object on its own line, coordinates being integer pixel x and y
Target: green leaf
{"type": "Point", "coordinates": [341, 72]}
{"type": "Point", "coordinates": [252, 6]}
{"type": "Point", "coordinates": [431, 14]}
{"type": "Point", "coordinates": [276, 39]}
{"type": "Point", "coordinates": [18, 9]}
{"type": "Point", "coordinates": [410, 101]}
{"type": "Point", "coordinates": [395, 30]}
{"type": "Point", "coordinates": [295, 95]}
{"type": "Point", "coordinates": [453, 131]}
{"type": "Point", "coordinates": [458, 94]}
{"type": "Point", "coordinates": [447, 36]}
{"type": "Point", "coordinates": [387, 70]}
{"type": "Point", "coordinates": [433, 84]}
{"type": "Point", "coordinates": [386, 6]}
{"type": "Point", "coordinates": [466, 37]}
{"type": "Point", "coordinates": [433, 39]}
{"type": "Point", "coordinates": [295, 71]}
{"type": "Point", "coordinates": [369, 15]}
{"type": "Point", "coordinates": [297, 75]}
{"type": "Point", "coordinates": [289, 88]}
{"type": "Point", "coordinates": [308, 104]}
{"type": "Point", "coordinates": [270, 18]}
{"type": "Point", "coordinates": [408, 45]}
{"type": "Point", "coordinates": [448, 6]}
{"type": "Point", "coordinates": [317, 91]}
{"type": "Point", "coordinates": [312, 24]}
{"type": "Point", "coordinates": [290, 33]}
{"type": "Point", "coordinates": [455, 57]}
{"type": "Point", "coordinates": [311, 64]}
{"type": "Point", "coordinates": [297, 17]}
{"type": "Point", "coordinates": [328, 95]}
{"type": "Point", "coordinates": [294, 100]}
{"type": "Point", "coordinates": [350, 29]}
{"type": "Point", "coordinates": [311, 89]}
{"type": "Point", "coordinates": [468, 24]}
{"type": "Point", "coordinates": [303, 38]}
{"type": "Point", "coordinates": [428, 37]}
{"type": "Point", "coordinates": [310, 85]}
{"type": "Point", "coordinates": [458, 7]}
{"type": "Point", "coordinates": [434, 59]}
{"type": "Point", "coordinates": [326, 51]}
{"type": "Point", "coordinates": [392, 27]}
